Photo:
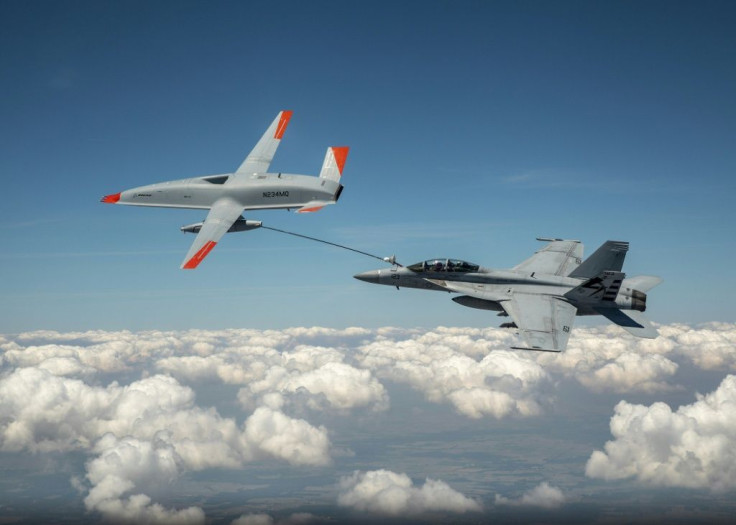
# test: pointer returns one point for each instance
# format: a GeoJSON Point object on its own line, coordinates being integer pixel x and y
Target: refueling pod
{"type": "Point", "coordinates": [240, 225]}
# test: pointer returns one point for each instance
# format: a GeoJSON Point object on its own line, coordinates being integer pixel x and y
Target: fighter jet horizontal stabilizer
{"type": "Point", "coordinates": [632, 321]}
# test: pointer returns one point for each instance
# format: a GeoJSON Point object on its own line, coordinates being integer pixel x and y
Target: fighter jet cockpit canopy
{"type": "Point", "coordinates": [444, 265]}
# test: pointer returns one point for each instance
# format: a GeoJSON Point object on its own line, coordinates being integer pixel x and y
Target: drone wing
{"type": "Point", "coordinates": [221, 217]}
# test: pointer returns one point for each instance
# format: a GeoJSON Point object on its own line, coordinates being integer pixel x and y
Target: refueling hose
{"type": "Point", "coordinates": [390, 260]}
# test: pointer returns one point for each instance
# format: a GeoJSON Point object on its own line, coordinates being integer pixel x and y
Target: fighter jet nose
{"type": "Point", "coordinates": [369, 277]}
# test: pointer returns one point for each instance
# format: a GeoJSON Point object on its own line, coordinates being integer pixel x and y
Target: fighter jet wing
{"type": "Point", "coordinates": [544, 322]}
{"type": "Point", "coordinates": [221, 217]}
{"type": "Point", "coordinates": [260, 158]}
{"type": "Point", "coordinates": [559, 257]}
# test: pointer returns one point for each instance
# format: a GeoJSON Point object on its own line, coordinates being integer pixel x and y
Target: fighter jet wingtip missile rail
{"type": "Point", "coordinates": [250, 187]}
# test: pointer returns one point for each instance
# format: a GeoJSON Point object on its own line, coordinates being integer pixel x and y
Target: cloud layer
{"type": "Point", "coordinates": [132, 403]}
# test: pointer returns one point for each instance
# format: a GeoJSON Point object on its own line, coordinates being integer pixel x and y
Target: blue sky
{"type": "Point", "coordinates": [474, 127]}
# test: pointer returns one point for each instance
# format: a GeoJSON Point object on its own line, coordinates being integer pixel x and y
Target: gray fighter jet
{"type": "Point", "coordinates": [251, 187]}
{"type": "Point", "coordinates": [543, 294]}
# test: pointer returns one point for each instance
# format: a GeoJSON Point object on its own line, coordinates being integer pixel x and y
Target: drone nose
{"type": "Point", "coordinates": [369, 276]}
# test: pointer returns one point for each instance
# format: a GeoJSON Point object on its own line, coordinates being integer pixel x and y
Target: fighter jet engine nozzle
{"type": "Point", "coordinates": [241, 225]}
{"type": "Point", "coordinates": [632, 300]}
{"type": "Point", "coordinates": [638, 301]}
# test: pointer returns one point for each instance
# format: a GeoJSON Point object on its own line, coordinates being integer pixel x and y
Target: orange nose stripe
{"type": "Point", "coordinates": [111, 199]}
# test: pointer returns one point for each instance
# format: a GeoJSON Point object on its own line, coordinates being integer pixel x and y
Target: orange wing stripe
{"type": "Point", "coordinates": [283, 122]}
{"type": "Point", "coordinates": [201, 254]}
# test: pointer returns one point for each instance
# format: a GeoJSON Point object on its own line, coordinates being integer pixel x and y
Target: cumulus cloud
{"type": "Point", "coordinates": [43, 412]}
{"type": "Point", "coordinates": [266, 519]}
{"type": "Point", "coordinates": [127, 464]}
{"type": "Point", "coordinates": [140, 509]}
{"type": "Point", "coordinates": [500, 384]}
{"type": "Point", "coordinates": [386, 492]}
{"type": "Point", "coordinates": [332, 384]}
{"type": "Point", "coordinates": [709, 346]}
{"type": "Point", "coordinates": [694, 446]}
{"type": "Point", "coordinates": [147, 432]}
{"type": "Point", "coordinates": [318, 375]}
{"type": "Point", "coordinates": [265, 360]}
{"type": "Point", "coordinates": [607, 359]}
{"type": "Point", "coordinates": [293, 440]}
{"type": "Point", "coordinates": [543, 495]}
{"type": "Point", "coordinates": [604, 359]}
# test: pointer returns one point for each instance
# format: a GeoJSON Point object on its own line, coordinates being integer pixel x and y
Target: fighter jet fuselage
{"type": "Point", "coordinates": [543, 294]}
{"type": "Point", "coordinates": [495, 286]}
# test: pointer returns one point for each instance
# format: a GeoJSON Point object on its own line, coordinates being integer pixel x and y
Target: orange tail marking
{"type": "Point", "coordinates": [341, 154]}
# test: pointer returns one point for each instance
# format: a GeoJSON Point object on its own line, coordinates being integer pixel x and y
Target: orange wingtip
{"type": "Point", "coordinates": [283, 122]}
{"type": "Point", "coordinates": [201, 254]}
{"type": "Point", "coordinates": [309, 210]}
{"type": "Point", "coordinates": [111, 199]}
{"type": "Point", "coordinates": [341, 155]}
